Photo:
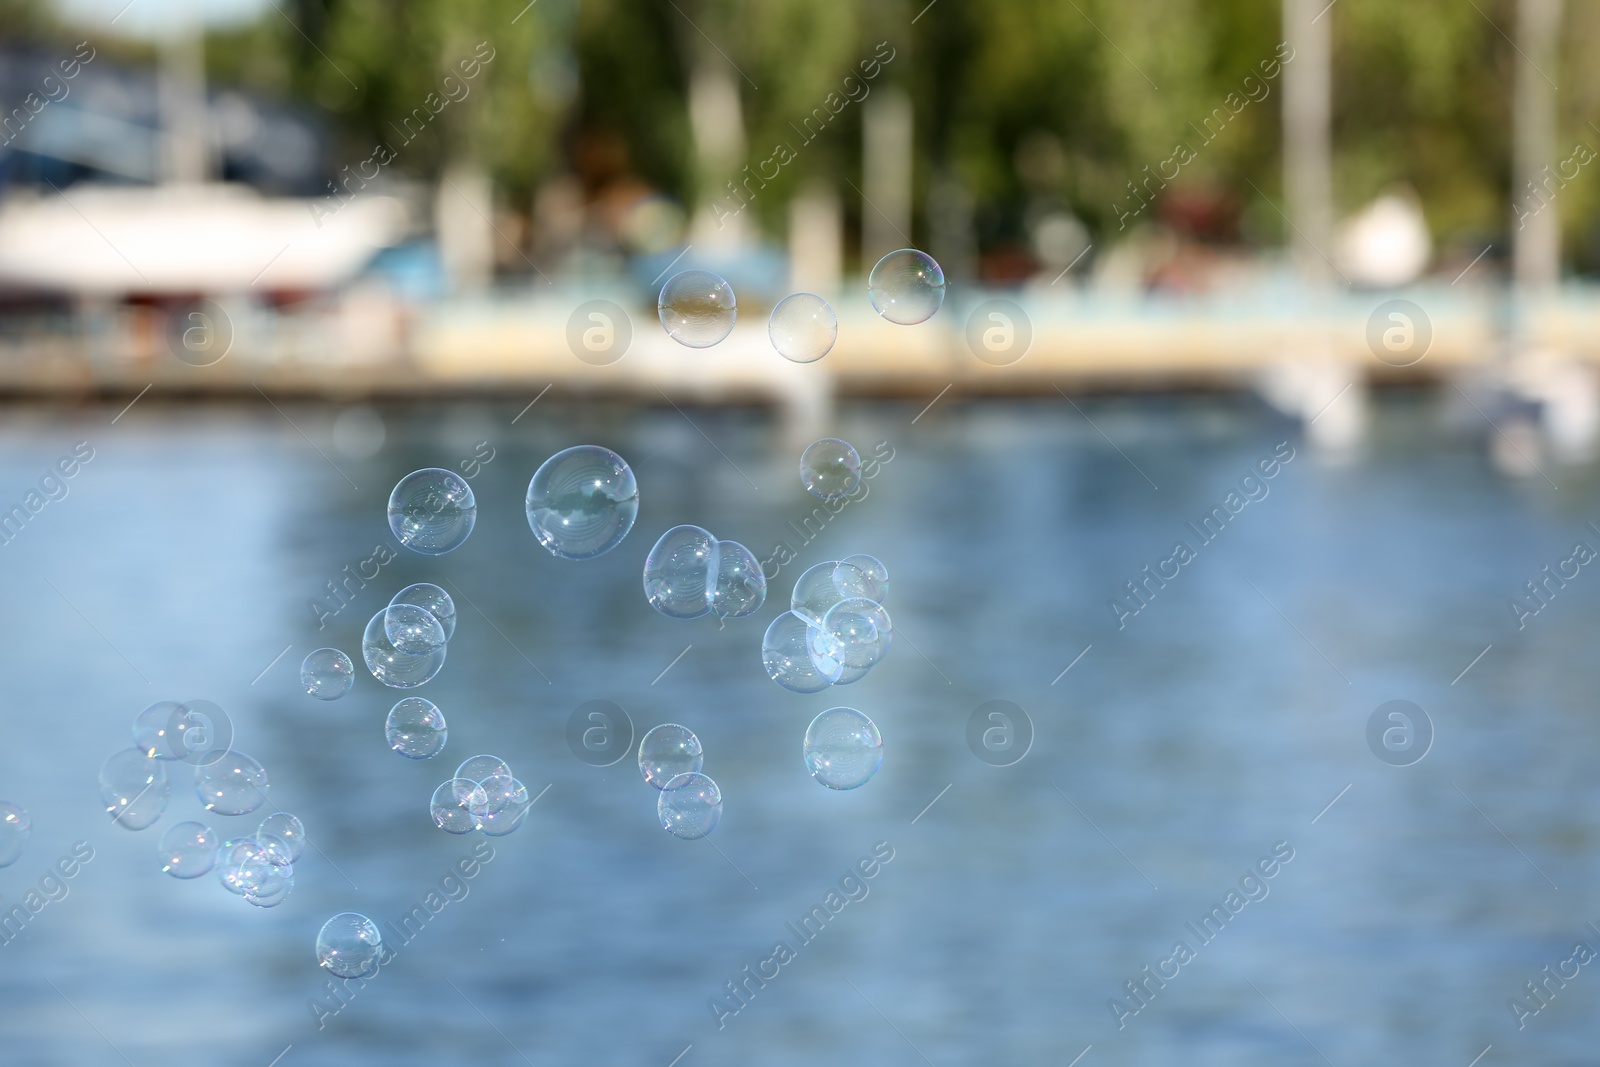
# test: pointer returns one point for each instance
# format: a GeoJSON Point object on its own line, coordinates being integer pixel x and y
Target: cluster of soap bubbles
{"type": "Point", "coordinates": [689, 573]}
{"type": "Point", "coordinates": [689, 804]}
{"type": "Point", "coordinates": [483, 796]}
{"type": "Point", "coordinates": [835, 630]}
{"type": "Point", "coordinates": [403, 645]}
{"type": "Point", "coordinates": [698, 309]}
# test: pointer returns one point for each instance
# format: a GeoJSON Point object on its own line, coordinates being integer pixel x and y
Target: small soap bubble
{"type": "Point", "coordinates": [690, 806]}
{"type": "Point", "coordinates": [134, 787]}
{"type": "Point", "coordinates": [786, 655]}
{"type": "Point", "coordinates": [906, 287]}
{"type": "Point", "coordinates": [680, 572]}
{"type": "Point", "coordinates": [582, 502]}
{"type": "Point", "coordinates": [350, 946]}
{"type": "Point", "coordinates": [394, 666]}
{"type": "Point", "coordinates": [820, 588]}
{"type": "Point", "coordinates": [452, 804]}
{"type": "Point", "coordinates": [803, 328]}
{"type": "Point", "coordinates": [15, 829]}
{"type": "Point", "coordinates": [327, 674]}
{"type": "Point", "coordinates": [415, 728]}
{"type": "Point", "coordinates": [234, 785]}
{"type": "Point", "coordinates": [667, 751]}
{"type": "Point", "coordinates": [843, 749]}
{"type": "Point", "coordinates": [188, 850]}
{"type": "Point", "coordinates": [432, 511]}
{"type": "Point", "coordinates": [697, 308]}
{"type": "Point", "coordinates": [740, 587]}
{"type": "Point", "coordinates": [857, 632]}
{"type": "Point", "coordinates": [863, 576]}
{"type": "Point", "coordinates": [830, 469]}
{"type": "Point", "coordinates": [240, 863]}
{"type": "Point", "coordinates": [434, 601]}
{"type": "Point", "coordinates": [504, 807]}
{"type": "Point", "coordinates": [271, 883]}
{"type": "Point", "coordinates": [283, 836]}
{"type": "Point", "coordinates": [476, 769]}
{"type": "Point", "coordinates": [155, 727]}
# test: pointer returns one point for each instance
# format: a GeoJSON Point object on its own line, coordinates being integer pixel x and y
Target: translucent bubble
{"type": "Point", "coordinates": [863, 576]}
{"type": "Point", "coordinates": [821, 651]}
{"type": "Point", "coordinates": [452, 804]}
{"type": "Point", "coordinates": [134, 787]}
{"type": "Point", "coordinates": [415, 728]}
{"type": "Point", "coordinates": [271, 883]}
{"type": "Point", "coordinates": [679, 572]}
{"type": "Point", "coordinates": [906, 287]}
{"type": "Point", "coordinates": [787, 658]}
{"type": "Point", "coordinates": [233, 785]}
{"type": "Point", "coordinates": [327, 674]}
{"type": "Point", "coordinates": [857, 632]}
{"type": "Point", "coordinates": [392, 665]}
{"type": "Point", "coordinates": [667, 751]}
{"type": "Point", "coordinates": [350, 946]}
{"type": "Point", "coordinates": [153, 726]}
{"type": "Point", "coordinates": [582, 502]}
{"type": "Point", "coordinates": [803, 328]}
{"type": "Point", "coordinates": [432, 511]}
{"type": "Point", "coordinates": [740, 588]}
{"type": "Point", "coordinates": [432, 599]}
{"type": "Point", "coordinates": [830, 468]}
{"type": "Point", "coordinates": [15, 829]}
{"type": "Point", "coordinates": [241, 861]}
{"type": "Point", "coordinates": [820, 588]}
{"type": "Point", "coordinates": [283, 836]}
{"type": "Point", "coordinates": [476, 769]}
{"type": "Point", "coordinates": [196, 731]}
{"type": "Point", "coordinates": [188, 850]}
{"type": "Point", "coordinates": [690, 806]}
{"type": "Point", "coordinates": [697, 308]}
{"type": "Point", "coordinates": [842, 748]}
{"type": "Point", "coordinates": [504, 807]}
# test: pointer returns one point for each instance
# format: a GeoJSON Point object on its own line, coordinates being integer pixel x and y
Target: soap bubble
{"type": "Point", "coordinates": [188, 850]}
{"type": "Point", "coordinates": [680, 572]}
{"type": "Point", "coordinates": [134, 787]}
{"type": "Point", "coordinates": [240, 862]}
{"type": "Point", "coordinates": [233, 785]}
{"type": "Point", "coordinates": [476, 769]}
{"type": "Point", "coordinates": [667, 751]}
{"type": "Point", "coordinates": [434, 601]}
{"type": "Point", "coordinates": [452, 803]}
{"type": "Point", "coordinates": [504, 807]}
{"type": "Point", "coordinates": [270, 883]}
{"type": "Point", "coordinates": [432, 511]}
{"type": "Point", "coordinates": [803, 328]}
{"type": "Point", "coordinates": [842, 748]}
{"type": "Point", "coordinates": [690, 806]}
{"type": "Point", "coordinates": [327, 674]}
{"type": "Point", "coordinates": [820, 588]}
{"type": "Point", "coordinates": [906, 287]}
{"type": "Point", "coordinates": [786, 657]}
{"type": "Point", "coordinates": [350, 946]}
{"type": "Point", "coordinates": [194, 732]}
{"type": "Point", "coordinates": [830, 468]}
{"type": "Point", "coordinates": [857, 632]}
{"type": "Point", "coordinates": [151, 730]}
{"type": "Point", "coordinates": [15, 829]}
{"type": "Point", "coordinates": [415, 728]}
{"type": "Point", "coordinates": [740, 587]}
{"type": "Point", "coordinates": [697, 308]}
{"type": "Point", "coordinates": [283, 837]}
{"type": "Point", "coordinates": [394, 666]}
{"type": "Point", "coordinates": [823, 656]}
{"type": "Point", "coordinates": [862, 576]}
{"type": "Point", "coordinates": [582, 502]}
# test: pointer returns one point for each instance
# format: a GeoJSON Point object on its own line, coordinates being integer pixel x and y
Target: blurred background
{"type": "Point", "coordinates": [259, 259]}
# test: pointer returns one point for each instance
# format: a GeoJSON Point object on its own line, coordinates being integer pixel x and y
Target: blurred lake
{"type": "Point", "coordinates": [1172, 756]}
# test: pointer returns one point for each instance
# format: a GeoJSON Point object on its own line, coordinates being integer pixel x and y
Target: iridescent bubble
{"type": "Point", "coordinates": [863, 576]}
{"type": "Point", "coordinates": [842, 748]}
{"type": "Point", "coordinates": [197, 732]}
{"type": "Point", "coordinates": [504, 807]}
{"type": "Point", "coordinates": [393, 666]}
{"type": "Point", "coordinates": [234, 785]}
{"type": "Point", "coordinates": [413, 629]}
{"type": "Point", "coordinates": [350, 946]}
{"type": "Point", "coordinates": [906, 287]}
{"type": "Point", "coordinates": [270, 882]}
{"type": "Point", "coordinates": [740, 588]}
{"type": "Point", "coordinates": [476, 769]}
{"type": "Point", "coordinates": [857, 632]}
{"type": "Point", "coordinates": [327, 674]}
{"type": "Point", "coordinates": [432, 511]}
{"type": "Point", "coordinates": [240, 862]}
{"type": "Point", "coordinates": [432, 599]}
{"type": "Point", "coordinates": [452, 804]}
{"type": "Point", "coordinates": [134, 787]}
{"type": "Point", "coordinates": [820, 588]}
{"type": "Point", "coordinates": [820, 648]}
{"type": "Point", "coordinates": [690, 806]}
{"type": "Point", "coordinates": [667, 751]}
{"type": "Point", "coordinates": [830, 468]}
{"type": "Point", "coordinates": [680, 572]}
{"type": "Point", "coordinates": [415, 728]}
{"type": "Point", "coordinates": [582, 502]}
{"type": "Point", "coordinates": [153, 727]}
{"type": "Point", "coordinates": [697, 308]}
{"type": "Point", "coordinates": [787, 658]}
{"type": "Point", "coordinates": [283, 836]}
{"type": "Point", "coordinates": [188, 850]}
{"type": "Point", "coordinates": [15, 829]}
{"type": "Point", "coordinates": [803, 328]}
